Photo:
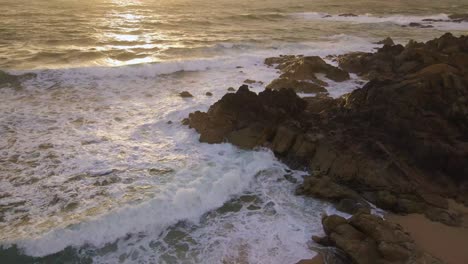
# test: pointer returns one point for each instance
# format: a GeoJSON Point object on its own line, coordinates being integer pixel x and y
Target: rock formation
{"type": "Point", "coordinates": [300, 73]}
{"type": "Point", "coordinates": [368, 239]}
{"type": "Point", "coordinates": [400, 142]}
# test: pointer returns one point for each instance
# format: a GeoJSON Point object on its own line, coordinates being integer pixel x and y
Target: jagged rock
{"type": "Point", "coordinates": [325, 188]}
{"type": "Point", "coordinates": [245, 118]}
{"type": "Point", "coordinates": [298, 86]}
{"type": "Point", "coordinates": [352, 206]}
{"type": "Point", "coordinates": [396, 61]}
{"type": "Point", "coordinates": [400, 141]}
{"type": "Point", "coordinates": [185, 94]}
{"type": "Point", "coordinates": [368, 239]}
{"type": "Point", "coordinates": [388, 41]}
{"type": "Point", "coordinates": [305, 68]}
{"type": "Point", "coordinates": [299, 73]}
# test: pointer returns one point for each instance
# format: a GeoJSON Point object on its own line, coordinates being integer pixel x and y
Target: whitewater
{"type": "Point", "coordinates": [95, 165]}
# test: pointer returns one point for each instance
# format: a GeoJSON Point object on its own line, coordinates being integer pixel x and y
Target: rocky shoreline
{"type": "Point", "coordinates": [399, 142]}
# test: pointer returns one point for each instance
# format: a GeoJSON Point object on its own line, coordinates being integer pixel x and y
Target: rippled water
{"type": "Point", "coordinates": [71, 33]}
{"type": "Point", "coordinates": [94, 163]}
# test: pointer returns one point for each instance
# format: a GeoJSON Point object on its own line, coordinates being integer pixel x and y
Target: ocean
{"type": "Point", "coordinates": [95, 165]}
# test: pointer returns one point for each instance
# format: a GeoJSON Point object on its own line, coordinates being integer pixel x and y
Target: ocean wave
{"type": "Point", "coordinates": [229, 174]}
{"type": "Point", "coordinates": [438, 21]}
{"type": "Point", "coordinates": [252, 16]}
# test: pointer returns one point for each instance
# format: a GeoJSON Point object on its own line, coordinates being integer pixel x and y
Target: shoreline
{"type": "Point", "coordinates": [326, 134]}
{"type": "Point", "coordinates": [441, 241]}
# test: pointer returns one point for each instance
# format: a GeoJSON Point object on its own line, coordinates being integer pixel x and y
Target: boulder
{"type": "Point", "coordinates": [388, 41]}
{"type": "Point", "coordinates": [297, 86]}
{"type": "Point", "coordinates": [185, 94]}
{"type": "Point", "coordinates": [419, 25]}
{"type": "Point", "coordinates": [347, 15]}
{"type": "Point", "coordinates": [368, 239]}
{"type": "Point", "coordinates": [249, 81]}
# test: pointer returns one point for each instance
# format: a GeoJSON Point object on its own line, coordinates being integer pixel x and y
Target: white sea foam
{"type": "Point", "coordinates": [91, 152]}
{"type": "Point", "coordinates": [194, 191]}
{"type": "Point", "coordinates": [402, 20]}
{"type": "Point", "coordinates": [105, 163]}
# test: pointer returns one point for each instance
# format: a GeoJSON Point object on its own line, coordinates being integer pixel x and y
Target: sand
{"type": "Point", "coordinates": [447, 243]}
{"type": "Point", "coordinates": [315, 260]}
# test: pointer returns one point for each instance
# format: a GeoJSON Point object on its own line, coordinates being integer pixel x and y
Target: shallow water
{"type": "Point", "coordinates": [94, 163]}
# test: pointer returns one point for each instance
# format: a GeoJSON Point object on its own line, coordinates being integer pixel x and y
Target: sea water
{"type": "Point", "coordinates": [95, 165]}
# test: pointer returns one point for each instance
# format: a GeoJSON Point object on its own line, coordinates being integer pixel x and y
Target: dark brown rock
{"type": "Point", "coordinates": [419, 25]}
{"type": "Point", "coordinates": [388, 41]}
{"type": "Point", "coordinates": [368, 239]}
{"type": "Point", "coordinates": [459, 17]}
{"type": "Point", "coordinates": [347, 15]}
{"type": "Point", "coordinates": [325, 188]}
{"type": "Point", "coordinates": [245, 118]}
{"type": "Point", "coordinates": [298, 86]}
{"type": "Point", "coordinates": [400, 141]}
{"type": "Point", "coordinates": [299, 73]}
{"type": "Point", "coordinates": [185, 94]}
{"type": "Point", "coordinates": [249, 81]}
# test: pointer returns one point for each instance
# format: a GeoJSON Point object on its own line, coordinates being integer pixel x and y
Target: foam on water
{"type": "Point", "coordinates": [402, 20]}
{"type": "Point", "coordinates": [91, 160]}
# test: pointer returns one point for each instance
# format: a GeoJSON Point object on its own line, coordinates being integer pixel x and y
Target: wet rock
{"type": "Point", "coordinates": [284, 139]}
{"type": "Point", "coordinates": [388, 41]}
{"type": "Point", "coordinates": [230, 207]}
{"type": "Point", "coordinates": [290, 178]}
{"type": "Point", "coordinates": [306, 68]}
{"type": "Point", "coordinates": [298, 86]}
{"type": "Point", "coordinates": [269, 208]}
{"type": "Point", "coordinates": [348, 15]}
{"type": "Point", "coordinates": [249, 81]}
{"type": "Point", "coordinates": [459, 17]}
{"type": "Point", "coordinates": [231, 89]}
{"type": "Point", "coordinates": [185, 94]}
{"type": "Point", "coordinates": [300, 73]}
{"type": "Point", "coordinates": [400, 140]}
{"type": "Point", "coordinates": [419, 25]}
{"type": "Point", "coordinates": [253, 207]}
{"type": "Point", "coordinates": [352, 206]}
{"type": "Point", "coordinates": [13, 81]}
{"type": "Point", "coordinates": [209, 94]}
{"type": "Point", "coordinates": [326, 188]}
{"type": "Point", "coordinates": [245, 118]}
